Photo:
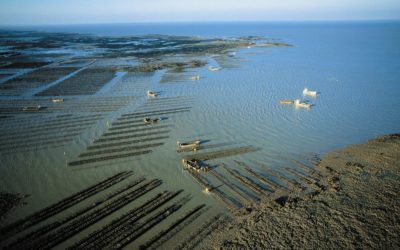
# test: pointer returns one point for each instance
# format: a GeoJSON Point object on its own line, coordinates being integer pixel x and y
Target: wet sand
{"type": "Point", "coordinates": [359, 208]}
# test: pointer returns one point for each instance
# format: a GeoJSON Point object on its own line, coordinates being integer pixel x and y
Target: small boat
{"type": "Point", "coordinates": [150, 120]}
{"type": "Point", "coordinates": [195, 165]}
{"type": "Point", "coordinates": [151, 93]}
{"type": "Point", "coordinates": [192, 145]}
{"type": "Point", "coordinates": [195, 78]}
{"type": "Point", "coordinates": [32, 108]}
{"type": "Point", "coordinates": [286, 102]}
{"type": "Point", "coordinates": [211, 68]}
{"type": "Point", "coordinates": [306, 91]}
{"type": "Point", "coordinates": [299, 104]}
{"type": "Point", "coordinates": [55, 100]}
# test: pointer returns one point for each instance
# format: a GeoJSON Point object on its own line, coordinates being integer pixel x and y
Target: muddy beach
{"type": "Point", "coordinates": [359, 208]}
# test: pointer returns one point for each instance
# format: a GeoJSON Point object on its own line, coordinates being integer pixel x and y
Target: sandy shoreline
{"type": "Point", "coordinates": [358, 207]}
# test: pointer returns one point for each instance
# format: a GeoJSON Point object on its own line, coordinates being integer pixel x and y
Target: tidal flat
{"type": "Point", "coordinates": [90, 159]}
{"type": "Point", "coordinates": [83, 99]}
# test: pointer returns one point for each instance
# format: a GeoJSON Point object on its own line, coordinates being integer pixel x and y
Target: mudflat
{"type": "Point", "coordinates": [359, 207]}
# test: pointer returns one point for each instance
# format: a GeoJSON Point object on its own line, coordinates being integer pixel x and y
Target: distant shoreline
{"type": "Point", "coordinates": [211, 22]}
{"type": "Point", "coordinates": [217, 28]}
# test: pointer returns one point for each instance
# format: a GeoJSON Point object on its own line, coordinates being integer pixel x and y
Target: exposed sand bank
{"type": "Point", "coordinates": [359, 209]}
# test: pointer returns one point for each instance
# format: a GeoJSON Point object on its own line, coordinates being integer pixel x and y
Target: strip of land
{"type": "Point", "coordinates": [359, 209]}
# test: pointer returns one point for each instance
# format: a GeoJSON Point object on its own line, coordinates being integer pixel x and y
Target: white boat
{"type": "Point", "coordinates": [32, 108]}
{"type": "Point", "coordinates": [211, 68]}
{"type": "Point", "coordinates": [195, 78]}
{"type": "Point", "coordinates": [299, 104]}
{"type": "Point", "coordinates": [55, 100]}
{"type": "Point", "coordinates": [192, 145]}
{"type": "Point", "coordinates": [151, 93]}
{"type": "Point", "coordinates": [308, 92]}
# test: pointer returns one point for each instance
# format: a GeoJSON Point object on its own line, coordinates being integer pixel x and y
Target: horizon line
{"type": "Point", "coordinates": [200, 21]}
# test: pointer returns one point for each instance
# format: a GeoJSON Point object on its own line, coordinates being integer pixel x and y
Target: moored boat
{"type": "Point", "coordinates": [192, 145]}
{"type": "Point", "coordinates": [211, 68]}
{"type": "Point", "coordinates": [308, 92]}
{"type": "Point", "coordinates": [150, 120]}
{"type": "Point", "coordinates": [286, 102]}
{"type": "Point", "coordinates": [299, 104]}
{"type": "Point", "coordinates": [195, 78]}
{"type": "Point", "coordinates": [32, 108]}
{"type": "Point", "coordinates": [195, 165]}
{"type": "Point", "coordinates": [55, 100]}
{"type": "Point", "coordinates": [151, 93]}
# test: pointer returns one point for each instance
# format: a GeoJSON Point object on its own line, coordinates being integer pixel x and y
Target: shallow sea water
{"type": "Point", "coordinates": [355, 67]}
